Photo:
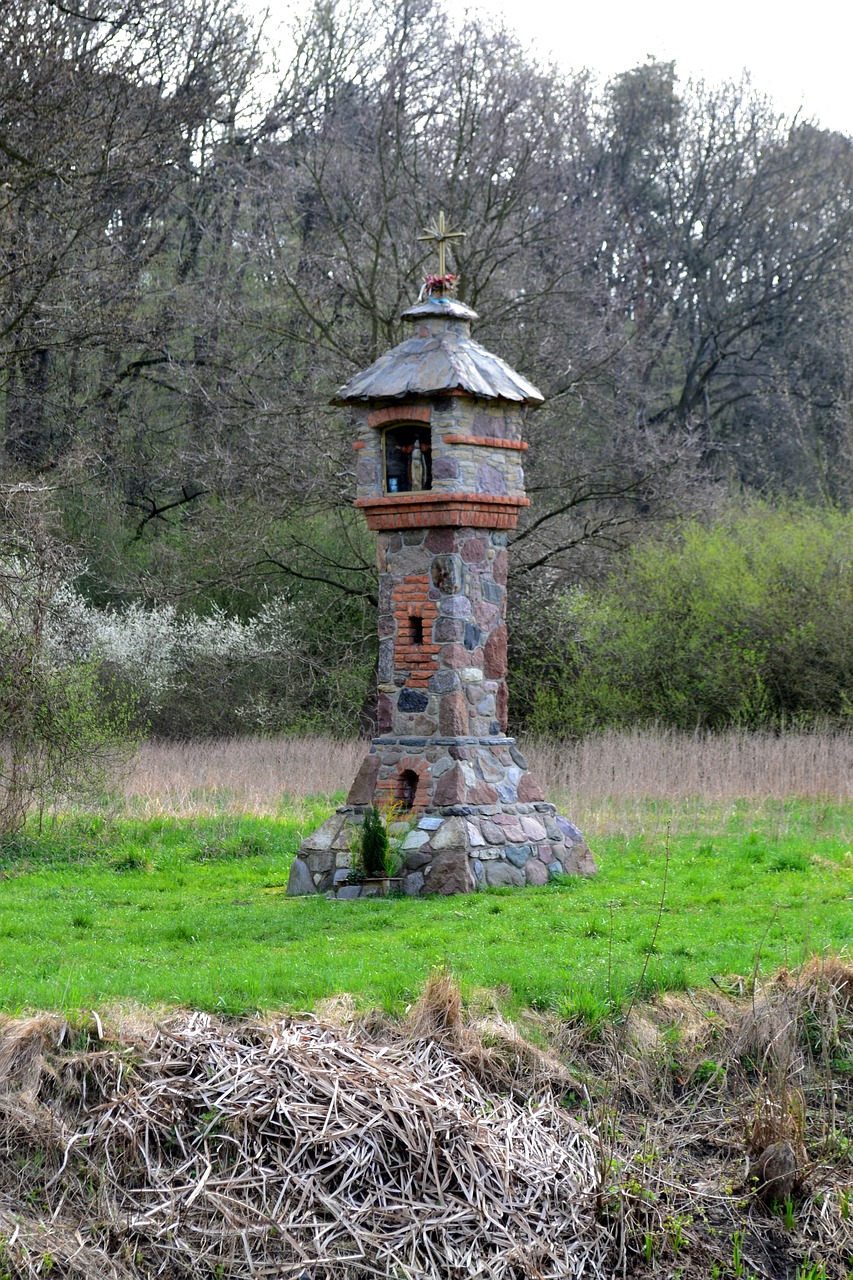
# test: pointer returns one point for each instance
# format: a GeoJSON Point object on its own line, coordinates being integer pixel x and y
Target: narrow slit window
{"type": "Point", "coordinates": [416, 629]}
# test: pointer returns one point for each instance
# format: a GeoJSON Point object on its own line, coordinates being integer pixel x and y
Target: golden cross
{"type": "Point", "coordinates": [440, 234]}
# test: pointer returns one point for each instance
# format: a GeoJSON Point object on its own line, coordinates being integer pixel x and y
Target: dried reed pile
{"type": "Point", "coordinates": [283, 1149]}
{"type": "Point", "coordinates": [434, 1148]}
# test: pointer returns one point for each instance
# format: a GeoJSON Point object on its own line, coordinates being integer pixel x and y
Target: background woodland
{"type": "Point", "coordinates": [205, 230]}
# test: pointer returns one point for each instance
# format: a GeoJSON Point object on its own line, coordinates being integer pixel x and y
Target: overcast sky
{"type": "Point", "coordinates": [799, 55]}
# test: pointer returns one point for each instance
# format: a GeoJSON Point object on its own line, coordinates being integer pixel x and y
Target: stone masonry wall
{"type": "Point", "coordinates": [449, 585]}
{"type": "Point", "coordinates": [476, 446]}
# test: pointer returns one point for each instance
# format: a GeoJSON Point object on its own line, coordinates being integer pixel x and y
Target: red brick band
{"type": "Point", "coordinates": [425, 510]}
{"type": "Point", "coordinates": [491, 442]}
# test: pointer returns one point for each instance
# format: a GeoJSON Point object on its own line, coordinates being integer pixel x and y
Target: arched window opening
{"type": "Point", "coordinates": [407, 459]}
{"type": "Point", "coordinates": [407, 785]}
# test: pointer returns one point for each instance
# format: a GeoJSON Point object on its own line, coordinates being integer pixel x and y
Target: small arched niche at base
{"type": "Point", "coordinates": [406, 790]}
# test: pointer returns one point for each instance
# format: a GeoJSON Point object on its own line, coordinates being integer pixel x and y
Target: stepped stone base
{"type": "Point", "coordinates": [512, 837]}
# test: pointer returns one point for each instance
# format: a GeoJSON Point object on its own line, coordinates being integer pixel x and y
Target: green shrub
{"type": "Point", "coordinates": [741, 623]}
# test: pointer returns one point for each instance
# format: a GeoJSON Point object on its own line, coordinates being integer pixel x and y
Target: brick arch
{"type": "Point", "coordinates": [392, 787]}
{"type": "Point", "coordinates": [399, 413]}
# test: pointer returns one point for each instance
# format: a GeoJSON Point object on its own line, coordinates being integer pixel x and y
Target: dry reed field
{"type": "Point", "coordinates": [604, 782]}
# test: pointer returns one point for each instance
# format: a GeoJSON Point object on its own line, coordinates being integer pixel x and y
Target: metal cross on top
{"type": "Point", "coordinates": [439, 235]}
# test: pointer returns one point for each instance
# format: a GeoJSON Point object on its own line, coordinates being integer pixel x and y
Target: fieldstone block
{"type": "Point", "coordinates": [430, 822]}
{"type": "Point", "coordinates": [413, 883]}
{"type": "Point", "coordinates": [441, 539]}
{"type": "Point", "coordinates": [415, 839]}
{"type": "Point", "coordinates": [555, 869]}
{"type": "Point", "coordinates": [500, 566]}
{"type": "Point", "coordinates": [533, 828]}
{"type": "Point", "coordinates": [502, 873]}
{"type": "Point", "coordinates": [486, 615]}
{"type": "Point", "coordinates": [412, 700]}
{"type": "Point", "coordinates": [364, 784]}
{"type": "Point", "coordinates": [366, 473]}
{"type": "Point", "coordinates": [492, 592]}
{"type": "Point", "coordinates": [446, 573]}
{"type": "Point", "coordinates": [444, 681]}
{"type": "Point", "coordinates": [300, 881]}
{"type": "Point", "coordinates": [489, 479]}
{"type": "Point", "coordinates": [569, 830]}
{"type": "Point", "coordinates": [348, 892]}
{"type": "Point", "coordinates": [441, 766]}
{"type": "Point", "coordinates": [518, 758]}
{"type": "Point", "coordinates": [384, 713]}
{"type": "Point", "coordinates": [324, 837]}
{"type": "Point", "coordinates": [445, 629]}
{"type": "Point", "coordinates": [473, 549]}
{"type": "Point", "coordinates": [518, 854]}
{"type": "Point", "coordinates": [479, 873]}
{"type": "Point", "coordinates": [475, 840]}
{"type": "Point", "coordinates": [535, 872]}
{"type": "Point", "coordinates": [418, 858]}
{"type": "Point", "coordinates": [445, 469]}
{"type": "Point", "coordinates": [451, 873]}
{"type": "Point", "coordinates": [529, 788]}
{"type": "Point", "coordinates": [386, 594]}
{"type": "Point", "coordinates": [413, 537]}
{"type": "Point", "coordinates": [455, 656]}
{"type": "Point", "coordinates": [411, 560]}
{"type": "Point", "coordinates": [452, 834]}
{"type": "Point", "coordinates": [491, 831]}
{"type": "Point", "coordinates": [481, 793]}
{"type": "Point", "coordinates": [503, 707]}
{"type": "Point", "coordinates": [494, 654]}
{"type": "Point", "coordinates": [450, 788]}
{"type": "Point", "coordinates": [578, 860]}
{"type": "Point", "coordinates": [340, 877]}
{"type": "Point", "coordinates": [471, 636]}
{"type": "Point", "coordinates": [456, 606]}
{"type": "Point", "coordinates": [453, 722]}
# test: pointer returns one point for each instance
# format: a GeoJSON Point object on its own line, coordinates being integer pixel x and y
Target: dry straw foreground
{"type": "Point", "coordinates": [443, 1148]}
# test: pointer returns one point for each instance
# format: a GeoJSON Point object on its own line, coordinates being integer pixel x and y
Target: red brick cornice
{"type": "Point", "coordinates": [491, 442]}
{"type": "Point", "coordinates": [422, 510]}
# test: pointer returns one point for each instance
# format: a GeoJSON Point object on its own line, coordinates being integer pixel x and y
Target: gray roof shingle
{"type": "Point", "coordinates": [443, 357]}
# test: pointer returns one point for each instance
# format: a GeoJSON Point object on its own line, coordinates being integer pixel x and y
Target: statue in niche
{"type": "Point", "coordinates": [418, 469]}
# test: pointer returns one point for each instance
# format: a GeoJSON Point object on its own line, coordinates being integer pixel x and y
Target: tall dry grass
{"type": "Point", "coordinates": [660, 780]}
{"type": "Point", "coordinates": [238, 775]}
{"type": "Point", "coordinates": [608, 781]}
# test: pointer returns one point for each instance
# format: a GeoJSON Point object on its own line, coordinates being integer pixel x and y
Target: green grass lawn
{"type": "Point", "coordinates": [193, 912]}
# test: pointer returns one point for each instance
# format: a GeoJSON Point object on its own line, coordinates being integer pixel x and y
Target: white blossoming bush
{"type": "Point", "coordinates": [215, 673]}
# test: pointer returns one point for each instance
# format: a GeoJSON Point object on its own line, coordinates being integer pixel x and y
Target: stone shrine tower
{"type": "Point", "coordinates": [439, 472]}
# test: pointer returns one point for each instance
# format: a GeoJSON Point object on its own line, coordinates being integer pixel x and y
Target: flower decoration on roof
{"type": "Point", "coordinates": [437, 285]}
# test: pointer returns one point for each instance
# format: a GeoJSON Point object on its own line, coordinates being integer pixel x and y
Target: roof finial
{"type": "Point", "coordinates": [439, 234]}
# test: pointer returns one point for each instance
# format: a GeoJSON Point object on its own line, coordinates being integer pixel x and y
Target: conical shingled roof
{"type": "Point", "coordinates": [442, 357]}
